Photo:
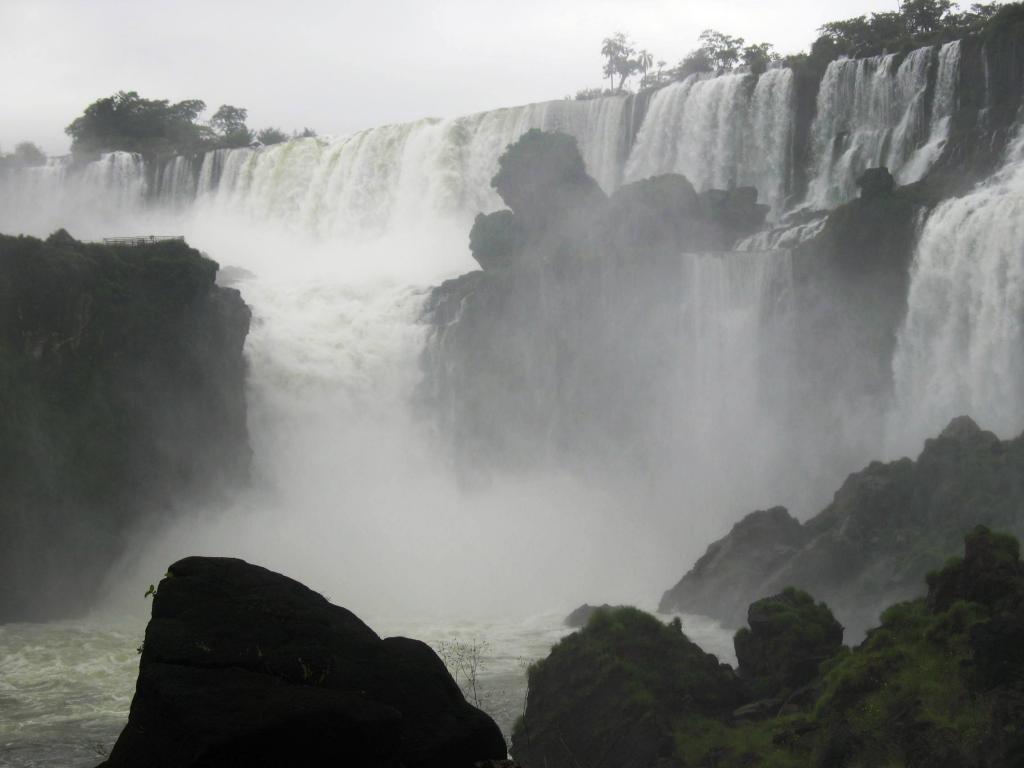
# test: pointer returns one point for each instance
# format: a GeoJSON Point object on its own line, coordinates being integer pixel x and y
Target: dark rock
{"type": "Point", "coordinates": [788, 638]}
{"type": "Point", "coordinates": [542, 178]}
{"type": "Point", "coordinates": [497, 239]}
{"type": "Point", "coordinates": [243, 666]}
{"type": "Point", "coordinates": [990, 573]}
{"type": "Point", "coordinates": [609, 694]}
{"type": "Point", "coordinates": [886, 528]}
{"type": "Point", "coordinates": [733, 570]}
{"type": "Point", "coordinates": [122, 383]}
{"type": "Point", "coordinates": [875, 182]}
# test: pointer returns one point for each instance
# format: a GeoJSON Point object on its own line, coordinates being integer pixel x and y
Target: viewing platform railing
{"type": "Point", "coordinates": [143, 240]}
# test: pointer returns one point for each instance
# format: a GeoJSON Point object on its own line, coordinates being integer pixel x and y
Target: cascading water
{"type": "Point", "coordinates": [342, 238]}
{"type": "Point", "coordinates": [402, 175]}
{"type": "Point", "coordinates": [872, 112]}
{"type": "Point", "coordinates": [961, 348]}
{"type": "Point", "coordinates": [98, 196]}
{"type": "Point", "coordinates": [721, 132]}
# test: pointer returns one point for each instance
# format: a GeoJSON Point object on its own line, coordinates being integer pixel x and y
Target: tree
{"type": "Point", "coordinates": [27, 154]}
{"type": "Point", "coordinates": [697, 62]}
{"type": "Point", "coordinates": [758, 57]}
{"type": "Point", "coordinates": [228, 123]}
{"type": "Point", "coordinates": [644, 60]}
{"type": "Point", "coordinates": [723, 50]}
{"type": "Point", "coordinates": [128, 122]}
{"type": "Point", "coordinates": [618, 51]}
{"type": "Point", "coordinates": [305, 133]}
{"type": "Point", "coordinates": [270, 136]}
{"type": "Point", "coordinates": [924, 15]}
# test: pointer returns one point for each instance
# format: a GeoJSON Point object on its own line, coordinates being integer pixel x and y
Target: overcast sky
{"type": "Point", "coordinates": [338, 65]}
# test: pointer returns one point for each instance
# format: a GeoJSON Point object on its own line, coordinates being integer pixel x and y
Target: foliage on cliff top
{"type": "Point", "coordinates": [158, 128]}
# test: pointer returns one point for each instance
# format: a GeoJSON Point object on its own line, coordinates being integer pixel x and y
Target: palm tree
{"type": "Point", "coordinates": [644, 60]}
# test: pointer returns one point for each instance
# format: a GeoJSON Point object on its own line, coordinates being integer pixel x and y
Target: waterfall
{"type": "Point", "coordinates": [944, 103]}
{"type": "Point", "coordinates": [402, 175]}
{"type": "Point", "coordinates": [176, 182]}
{"type": "Point", "coordinates": [961, 348]}
{"type": "Point", "coordinates": [90, 199]}
{"type": "Point", "coordinates": [719, 132]}
{"type": "Point", "coordinates": [871, 112]}
{"type": "Point", "coordinates": [735, 445]}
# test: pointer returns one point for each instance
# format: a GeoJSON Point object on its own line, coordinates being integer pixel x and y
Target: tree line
{"type": "Point", "coordinates": [160, 128]}
{"type": "Point", "coordinates": [917, 22]}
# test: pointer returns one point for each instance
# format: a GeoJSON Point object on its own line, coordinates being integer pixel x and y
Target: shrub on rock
{"type": "Point", "coordinates": [789, 637]}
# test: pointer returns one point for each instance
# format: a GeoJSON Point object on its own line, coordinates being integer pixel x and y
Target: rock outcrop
{"type": "Point", "coordinates": [242, 666]}
{"type": "Point", "coordinates": [543, 340]}
{"type": "Point", "coordinates": [787, 638]}
{"type": "Point", "coordinates": [939, 683]}
{"type": "Point", "coordinates": [887, 526]}
{"type": "Point", "coordinates": [609, 694]}
{"type": "Point", "coordinates": [122, 393]}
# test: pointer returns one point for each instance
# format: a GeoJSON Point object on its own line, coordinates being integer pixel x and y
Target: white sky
{"type": "Point", "coordinates": [339, 66]}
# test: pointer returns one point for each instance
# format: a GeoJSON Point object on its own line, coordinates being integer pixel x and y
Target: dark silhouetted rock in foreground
{"type": "Point", "coordinates": [242, 666]}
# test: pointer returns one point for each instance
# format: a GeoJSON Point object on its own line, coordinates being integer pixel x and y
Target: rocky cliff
{"type": "Point", "coordinates": [121, 396]}
{"type": "Point", "coordinates": [887, 526]}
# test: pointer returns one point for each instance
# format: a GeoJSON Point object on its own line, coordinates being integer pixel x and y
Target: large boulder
{"type": "Point", "coordinates": [610, 694]}
{"type": "Point", "coordinates": [788, 638]}
{"type": "Point", "coordinates": [876, 182]}
{"type": "Point", "coordinates": [543, 179]}
{"type": "Point", "coordinates": [242, 666]}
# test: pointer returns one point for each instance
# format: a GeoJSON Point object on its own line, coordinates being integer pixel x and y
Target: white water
{"type": "Point", "coordinates": [721, 132]}
{"type": "Point", "coordinates": [352, 495]}
{"type": "Point", "coordinates": [872, 113]}
{"type": "Point", "coordinates": [961, 349]}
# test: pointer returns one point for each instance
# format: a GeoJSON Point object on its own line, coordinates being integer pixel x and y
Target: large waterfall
{"type": "Point", "coordinates": [961, 349]}
{"type": "Point", "coordinates": [874, 112]}
{"type": "Point", "coordinates": [342, 237]}
{"type": "Point", "coordinates": [721, 132]}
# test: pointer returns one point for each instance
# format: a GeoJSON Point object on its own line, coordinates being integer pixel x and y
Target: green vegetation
{"type": "Point", "coordinates": [916, 23]}
{"type": "Point", "coordinates": [25, 155]}
{"type": "Point", "coordinates": [788, 638]}
{"type": "Point", "coordinates": [939, 683]}
{"type": "Point", "coordinates": [158, 128]}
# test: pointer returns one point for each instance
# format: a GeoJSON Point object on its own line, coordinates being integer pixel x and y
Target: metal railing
{"type": "Point", "coordinates": [143, 240]}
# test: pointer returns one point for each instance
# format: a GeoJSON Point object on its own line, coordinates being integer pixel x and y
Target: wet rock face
{"type": "Point", "coordinates": [734, 567]}
{"type": "Point", "coordinates": [122, 394]}
{"type": "Point", "coordinates": [876, 182]}
{"type": "Point", "coordinates": [244, 666]}
{"type": "Point", "coordinates": [886, 528]}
